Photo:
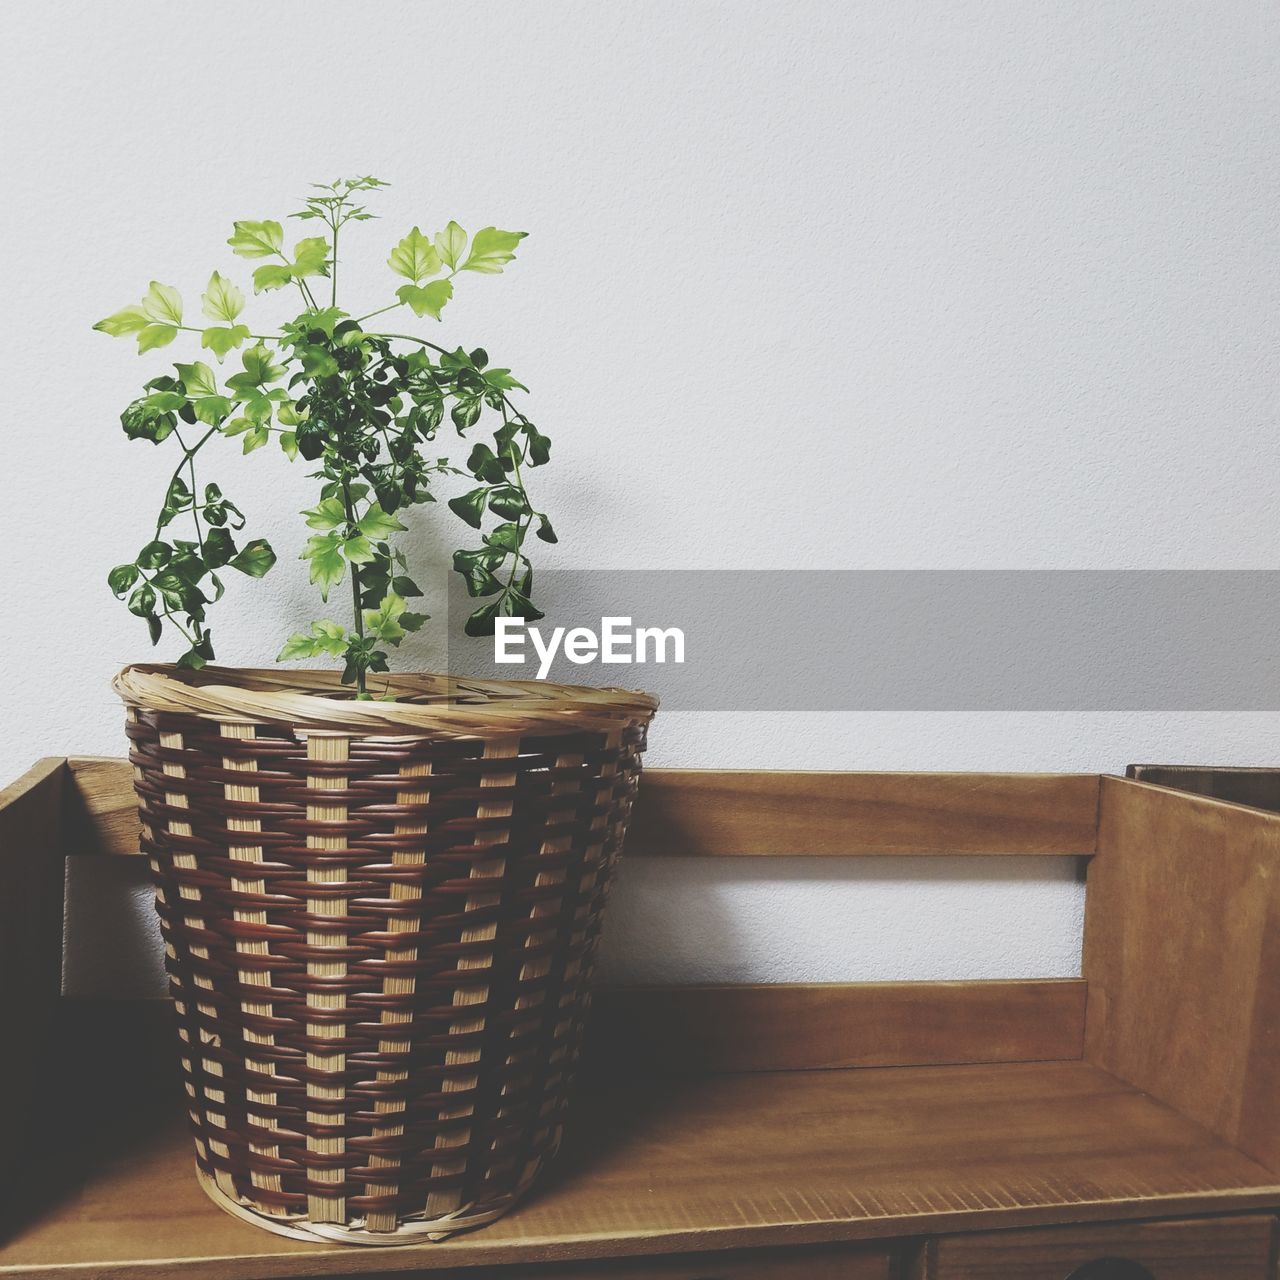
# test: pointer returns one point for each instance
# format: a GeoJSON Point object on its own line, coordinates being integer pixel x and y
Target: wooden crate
{"type": "Point", "coordinates": [891, 1130]}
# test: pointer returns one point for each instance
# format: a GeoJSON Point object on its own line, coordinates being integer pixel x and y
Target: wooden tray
{"type": "Point", "coordinates": [757, 1132]}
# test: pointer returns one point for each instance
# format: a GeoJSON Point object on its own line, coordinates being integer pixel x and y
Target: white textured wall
{"type": "Point", "coordinates": [888, 284]}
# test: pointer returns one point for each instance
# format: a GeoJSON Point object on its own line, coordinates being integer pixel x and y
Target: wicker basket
{"type": "Point", "coordinates": [380, 921]}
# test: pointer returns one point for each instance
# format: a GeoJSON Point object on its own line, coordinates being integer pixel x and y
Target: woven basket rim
{"type": "Point", "coordinates": [456, 706]}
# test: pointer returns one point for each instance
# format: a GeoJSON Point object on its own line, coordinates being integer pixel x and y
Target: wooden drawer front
{"type": "Point", "coordinates": [1197, 1249]}
{"type": "Point", "coordinates": [840, 1263]}
{"type": "Point", "coordinates": [822, 1262]}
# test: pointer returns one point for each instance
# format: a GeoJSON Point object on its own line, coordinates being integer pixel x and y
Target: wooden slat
{"type": "Point", "coordinates": [664, 1167]}
{"type": "Point", "coordinates": [711, 813]}
{"type": "Point", "coordinates": [31, 873]}
{"type": "Point", "coordinates": [683, 1030]}
{"type": "Point", "coordinates": [693, 812]}
{"type": "Point", "coordinates": [1182, 956]}
{"type": "Point", "coordinates": [1237, 1248]}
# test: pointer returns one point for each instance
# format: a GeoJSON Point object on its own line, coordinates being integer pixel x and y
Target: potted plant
{"type": "Point", "coordinates": [380, 892]}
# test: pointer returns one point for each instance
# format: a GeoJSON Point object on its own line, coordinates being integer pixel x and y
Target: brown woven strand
{"type": "Point", "coordinates": [379, 933]}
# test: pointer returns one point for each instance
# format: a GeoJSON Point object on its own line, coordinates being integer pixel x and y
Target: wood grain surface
{"type": "Point", "coordinates": [783, 1027]}
{"type": "Point", "coordinates": [712, 813]}
{"type": "Point", "coordinates": [655, 1166]}
{"type": "Point", "coordinates": [1182, 956]}
{"type": "Point", "coordinates": [1202, 1249]}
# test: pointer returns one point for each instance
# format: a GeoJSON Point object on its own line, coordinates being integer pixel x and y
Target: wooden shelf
{"type": "Point", "coordinates": [666, 1165]}
{"type": "Point", "coordinates": [891, 1127]}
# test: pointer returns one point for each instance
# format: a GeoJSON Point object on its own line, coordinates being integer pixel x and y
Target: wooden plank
{"type": "Point", "coordinates": [31, 870]}
{"type": "Point", "coordinates": [103, 815]}
{"type": "Point", "coordinates": [685, 812]}
{"type": "Point", "coordinates": [1237, 1248]}
{"type": "Point", "coordinates": [656, 1167]}
{"type": "Point", "coordinates": [1182, 956]}
{"type": "Point", "coordinates": [681, 1030]}
{"type": "Point", "coordinates": [702, 813]}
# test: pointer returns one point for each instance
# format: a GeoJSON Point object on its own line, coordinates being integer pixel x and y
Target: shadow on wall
{"type": "Point", "coordinates": [675, 920]}
{"type": "Point", "coordinates": [688, 920]}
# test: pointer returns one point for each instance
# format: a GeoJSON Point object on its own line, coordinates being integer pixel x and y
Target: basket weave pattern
{"type": "Point", "coordinates": [379, 946]}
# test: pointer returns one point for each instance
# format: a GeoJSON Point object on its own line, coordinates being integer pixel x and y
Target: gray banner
{"type": "Point", "coordinates": [945, 640]}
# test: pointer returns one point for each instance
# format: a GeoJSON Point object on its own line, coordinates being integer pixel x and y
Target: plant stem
{"type": "Point", "coordinates": [333, 292]}
{"type": "Point", "coordinates": [355, 584]}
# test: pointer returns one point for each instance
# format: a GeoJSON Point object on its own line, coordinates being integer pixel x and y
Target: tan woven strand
{"type": "Point", "coordinates": [413, 793]}
{"type": "Point", "coordinates": [441, 1203]}
{"type": "Point", "coordinates": [323, 1208]}
{"type": "Point", "coordinates": [252, 853]}
{"type": "Point", "coordinates": [426, 703]}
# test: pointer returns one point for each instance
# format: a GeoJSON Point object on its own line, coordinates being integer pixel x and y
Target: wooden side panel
{"type": "Point", "coordinates": [1257, 787]}
{"type": "Point", "coordinates": [678, 1030]}
{"type": "Point", "coordinates": [1193, 1249]}
{"type": "Point", "coordinates": [1182, 957]}
{"type": "Point", "coordinates": [703, 813]}
{"type": "Point", "coordinates": [31, 872]}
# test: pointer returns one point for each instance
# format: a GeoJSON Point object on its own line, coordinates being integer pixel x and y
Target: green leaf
{"type": "Point", "coordinates": [259, 369]}
{"type": "Point", "coordinates": [539, 445]}
{"type": "Point", "coordinates": [198, 379]}
{"type": "Point", "coordinates": [492, 249]}
{"type": "Point", "coordinates": [328, 515]}
{"type": "Point", "coordinates": [377, 524]}
{"type": "Point", "coordinates": [324, 551]}
{"type": "Point", "coordinates": [415, 257]}
{"type": "Point", "coordinates": [506, 536]}
{"type": "Point", "coordinates": [156, 335]}
{"type": "Point", "coordinates": [326, 638]}
{"type": "Point", "coordinates": [311, 257]}
{"type": "Point", "coordinates": [509, 503]}
{"type": "Point", "coordinates": [155, 627]}
{"type": "Point", "coordinates": [211, 410]}
{"type": "Point", "coordinates": [466, 412]}
{"type": "Point", "coordinates": [450, 243]}
{"type": "Point", "coordinates": [289, 443]}
{"type": "Point", "coordinates": [480, 623]}
{"type": "Point", "coordinates": [470, 506]}
{"type": "Point", "coordinates": [257, 239]}
{"type": "Point", "coordinates": [121, 578]}
{"type": "Point", "coordinates": [143, 601]}
{"type": "Point", "coordinates": [142, 421]}
{"type": "Point", "coordinates": [273, 275]}
{"type": "Point", "coordinates": [220, 339]}
{"type": "Point", "coordinates": [403, 586]}
{"type": "Point", "coordinates": [126, 320]}
{"type": "Point", "coordinates": [501, 380]}
{"type": "Point", "coordinates": [219, 548]}
{"type": "Point", "coordinates": [427, 299]}
{"type": "Point", "coordinates": [163, 304]}
{"type": "Point", "coordinates": [414, 621]}
{"type": "Point", "coordinates": [358, 550]}
{"type": "Point", "coordinates": [255, 438]}
{"type": "Point", "coordinates": [485, 465]}
{"type": "Point", "coordinates": [545, 531]}
{"type": "Point", "coordinates": [222, 300]}
{"type": "Point", "coordinates": [155, 555]}
{"type": "Point", "coordinates": [477, 567]}
{"type": "Point", "coordinates": [255, 558]}
{"type": "Point", "coordinates": [383, 622]}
